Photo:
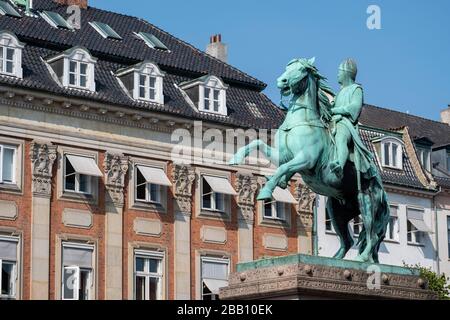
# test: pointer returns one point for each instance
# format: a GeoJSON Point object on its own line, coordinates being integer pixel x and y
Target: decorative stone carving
{"type": "Point", "coordinates": [116, 167]}
{"type": "Point", "coordinates": [183, 177]}
{"type": "Point", "coordinates": [246, 186]}
{"type": "Point", "coordinates": [305, 208]}
{"type": "Point", "coordinates": [43, 157]}
{"type": "Point", "coordinates": [306, 198]}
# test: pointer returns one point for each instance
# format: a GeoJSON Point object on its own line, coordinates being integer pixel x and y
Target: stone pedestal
{"type": "Point", "coordinates": [302, 277]}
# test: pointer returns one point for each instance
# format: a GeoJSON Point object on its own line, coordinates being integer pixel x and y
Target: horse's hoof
{"type": "Point", "coordinates": [264, 195]}
{"type": "Point", "coordinates": [283, 185]}
{"type": "Point", "coordinates": [234, 162]}
{"type": "Point", "coordinates": [339, 255]}
{"type": "Point", "coordinates": [364, 259]}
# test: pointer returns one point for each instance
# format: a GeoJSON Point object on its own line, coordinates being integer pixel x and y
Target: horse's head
{"type": "Point", "coordinates": [295, 79]}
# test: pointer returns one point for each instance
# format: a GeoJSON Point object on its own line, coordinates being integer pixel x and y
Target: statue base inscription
{"type": "Point", "coordinates": [310, 277]}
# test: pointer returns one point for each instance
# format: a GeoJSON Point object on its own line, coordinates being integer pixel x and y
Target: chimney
{"type": "Point", "coordinates": [445, 115]}
{"type": "Point", "coordinates": [217, 48]}
{"type": "Point", "coordinates": [83, 4]}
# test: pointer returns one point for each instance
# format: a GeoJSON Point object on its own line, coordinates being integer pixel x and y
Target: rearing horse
{"type": "Point", "coordinates": [305, 145]}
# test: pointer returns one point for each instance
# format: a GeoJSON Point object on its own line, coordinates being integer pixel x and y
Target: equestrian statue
{"type": "Point", "coordinates": [319, 139]}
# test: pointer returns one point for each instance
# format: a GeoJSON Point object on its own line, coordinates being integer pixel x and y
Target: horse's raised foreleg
{"type": "Point", "coordinates": [244, 152]}
{"type": "Point", "coordinates": [299, 163]}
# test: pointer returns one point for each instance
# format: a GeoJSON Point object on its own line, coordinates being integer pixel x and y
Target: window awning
{"type": "Point", "coordinates": [416, 219]}
{"type": "Point", "coordinates": [214, 285]}
{"type": "Point", "coordinates": [283, 195]}
{"type": "Point", "coordinates": [84, 165]}
{"type": "Point", "coordinates": [77, 256]}
{"type": "Point", "coordinates": [155, 176]}
{"type": "Point", "coordinates": [8, 249]}
{"type": "Point", "coordinates": [220, 185]}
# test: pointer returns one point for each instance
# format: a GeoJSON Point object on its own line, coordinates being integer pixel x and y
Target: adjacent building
{"type": "Point", "coordinates": [413, 158]}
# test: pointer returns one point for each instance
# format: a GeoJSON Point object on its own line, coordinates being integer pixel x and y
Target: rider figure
{"type": "Point", "coordinates": [347, 108]}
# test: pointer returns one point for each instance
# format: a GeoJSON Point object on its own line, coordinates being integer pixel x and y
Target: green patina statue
{"type": "Point", "coordinates": [320, 141]}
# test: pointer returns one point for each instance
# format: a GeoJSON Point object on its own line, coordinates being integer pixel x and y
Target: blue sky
{"type": "Point", "coordinates": [404, 66]}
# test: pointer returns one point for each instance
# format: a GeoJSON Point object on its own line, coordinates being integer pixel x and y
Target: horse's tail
{"type": "Point", "coordinates": [381, 219]}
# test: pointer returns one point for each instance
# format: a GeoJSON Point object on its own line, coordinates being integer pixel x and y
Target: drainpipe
{"type": "Point", "coordinates": [436, 232]}
{"type": "Point", "coordinates": [315, 238]}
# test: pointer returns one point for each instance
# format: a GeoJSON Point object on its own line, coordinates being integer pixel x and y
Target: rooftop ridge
{"type": "Point", "coordinates": [407, 114]}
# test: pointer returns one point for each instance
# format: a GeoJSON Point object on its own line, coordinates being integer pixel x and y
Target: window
{"type": "Point", "coordinates": [207, 93]}
{"type": "Point", "coordinates": [152, 41]}
{"type": "Point", "coordinates": [79, 172]}
{"type": "Point", "coordinates": [448, 162]}
{"type": "Point", "coordinates": [214, 275]}
{"type": "Point", "coordinates": [275, 210]}
{"type": "Point", "coordinates": [392, 232]}
{"type": "Point", "coordinates": [425, 158]}
{"type": "Point", "coordinates": [55, 20]}
{"type": "Point", "coordinates": [392, 154]}
{"type": "Point", "coordinates": [105, 30]}
{"type": "Point", "coordinates": [414, 235]}
{"type": "Point", "coordinates": [212, 200]}
{"type": "Point", "coordinates": [148, 275]}
{"type": "Point", "coordinates": [74, 68]}
{"type": "Point", "coordinates": [10, 55]}
{"type": "Point", "coordinates": [150, 182]}
{"type": "Point", "coordinates": [417, 228]}
{"type": "Point", "coordinates": [8, 266]}
{"type": "Point", "coordinates": [448, 235]}
{"type": "Point", "coordinates": [8, 10]}
{"type": "Point", "coordinates": [78, 76]}
{"type": "Point", "coordinates": [7, 164]}
{"type": "Point", "coordinates": [357, 225]}
{"type": "Point", "coordinates": [143, 82]}
{"type": "Point", "coordinates": [77, 271]}
{"type": "Point", "coordinates": [328, 223]}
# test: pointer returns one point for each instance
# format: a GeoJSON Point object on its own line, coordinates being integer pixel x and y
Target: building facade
{"type": "Point", "coordinates": [93, 202]}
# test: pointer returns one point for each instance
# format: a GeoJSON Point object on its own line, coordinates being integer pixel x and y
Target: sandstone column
{"type": "Point", "coordinates": [246, 186]}
{"type": "Point", "coordinates": [183, 178]}
{"type": "Point", "coordinates": [305, 218]}
{"type": "Point", "coordinates": [42, 156]}
{"type": "Point", "coordinates": [116, 167]}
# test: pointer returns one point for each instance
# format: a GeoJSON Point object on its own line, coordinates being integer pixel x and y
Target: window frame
{"type": "Point", "coordinates": [328, 222]}
{"type": "Point", "coordinates": [9, 41]}
{"type": "Point", "coordinates": [206, 258]}
{"type": "Point", "coordinates": [13, 282]}
{"type": "Point", "coordinates": [77, 178]}
{"type": "Point", "coordinates": [393, 226]}
{"type": "Point", "coordinates": [148, 255]}
{"type": "Point", "coordinates": [275, 212]}
{"type": "Point", "coordinates": [148, 192]}
{"type": "Point", "coordinates": [78, 269]}
{"type": "Point", "coordinates": [213, 197]}
{"type": "Point", "coordinates": [421, 153]}
{"type": "Point", "coordinates": [414, 236]}
{"type": "Point", "coordinates": [14, 163]}
{"type": "Point", "coordinates": [390, 143]}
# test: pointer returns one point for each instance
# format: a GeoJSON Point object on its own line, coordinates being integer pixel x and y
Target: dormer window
{"type": "Point", "coordinates": [143, 82]}
{"type": "Point", "coordinates": [207, 93]}
{"type": "Point", "coordinates": [74, 68]}
{"type": "Point", "coordinates": [392, 153]}
{"type": "Point", "coordinates": [424, 158]}
{"type": "Point", "coordinates": [10, 55]}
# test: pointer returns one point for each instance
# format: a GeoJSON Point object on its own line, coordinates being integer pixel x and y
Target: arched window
{"type": "Point", "coordinates": [10, 55]}
{"type": "Point", "coordinates": [208, 94]}
{"type": "Point", "coordinates": [143, 82]}
{"type": "Point", "coordinates": [392, 153]}
{"type": "Point", "coordinates": [74, 68]}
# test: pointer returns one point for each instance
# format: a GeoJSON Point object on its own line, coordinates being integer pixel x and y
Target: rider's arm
{"type": "Point", "coordinates": [352, 110]}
